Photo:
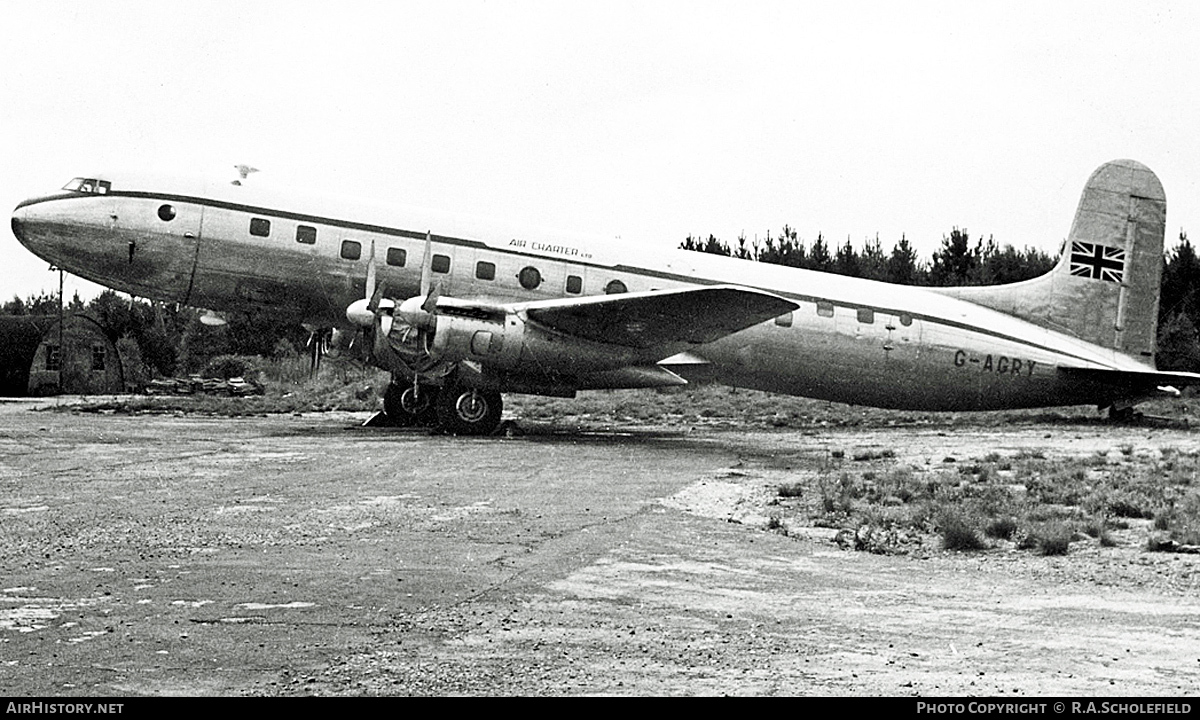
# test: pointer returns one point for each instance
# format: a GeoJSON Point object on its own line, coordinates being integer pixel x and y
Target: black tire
{"type": "Point", "coordinates": [466, 411]}
{"type": "Point", "coordinates": [403, 410]}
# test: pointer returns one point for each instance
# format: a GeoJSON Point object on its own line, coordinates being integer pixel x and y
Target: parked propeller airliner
{"type": "Point", "coordinates": [461, 312]}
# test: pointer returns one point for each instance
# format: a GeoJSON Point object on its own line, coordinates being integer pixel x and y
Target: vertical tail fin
{"type": "Point", "coordinates": [1105, 287]}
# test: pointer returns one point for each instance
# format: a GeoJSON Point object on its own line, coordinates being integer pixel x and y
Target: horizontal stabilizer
{"type": "Point", "coordinates": [1132, 380]}
{"type": "Point", "coordinates": [659, 317]}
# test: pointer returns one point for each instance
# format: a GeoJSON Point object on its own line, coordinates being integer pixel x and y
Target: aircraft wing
{"type": "Point", "coordinates": [659, 317]}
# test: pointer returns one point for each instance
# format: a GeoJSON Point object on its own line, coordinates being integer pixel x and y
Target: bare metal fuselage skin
{"type": "Point", "coordinates": [850, 340]}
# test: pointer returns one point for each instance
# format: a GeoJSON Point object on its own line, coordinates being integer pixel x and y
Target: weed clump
{"type": "Point", "coordinates": [775, 524]}
{"type": "Point", "coordinates": [959, 532]}
{"type": "Point", "coordinates": [790, 490]}
{"type": "Point", "coordinates": [1003, 528]}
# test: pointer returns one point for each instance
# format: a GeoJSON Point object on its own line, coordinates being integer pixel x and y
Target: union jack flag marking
{"type": "Point", "coordinates": [1098, 262]}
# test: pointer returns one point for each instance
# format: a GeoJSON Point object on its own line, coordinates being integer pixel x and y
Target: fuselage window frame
{"type": "Point", "coordinates": [615, 287]}
{"type": "Point", "coordinates": [485, 270]}
{"type": "Point", "coordinates": [866, 316]}
{"type": "Point", "coordinates": [89, 186]}
{"type": "Point", "coordinates": [306, 234]}
{"type": "Point", "coordinates": [396, 257]}
{"type": "Point", "coordinates": [824, 308]}
{"type": "Point", "coordinates": [440, 264]}
{"type": "Point", "coordinates": [784, 320]}
{"type": "Point", "coordinates": [166, 213]}
{"type": "Point", "coordinates": [260, 227]}
{"type": "Point", "coordinates": [529, 277]}
{"type": "Point", "coordinates": [351, 250]}
{"type": "Point", "coordinates": [574, 284]}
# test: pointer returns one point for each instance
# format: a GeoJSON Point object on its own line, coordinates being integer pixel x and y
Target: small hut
{"type": "Point", "coordinates": [20, 336]}
{"type": "Point", "coordinates": [78, 359]}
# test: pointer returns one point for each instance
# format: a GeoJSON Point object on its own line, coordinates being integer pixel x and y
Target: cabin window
{"type": "Point", "coordinates": [574, 284]}
{"type": "Point", "coordinates": [53, 358]}
{"type": "Point", "coordinates": [824, 308]}
{"type": "Point", "coordinates": [485, 270]}
{"type": "Point", "coordinates": [784, 320]}
{"type": "Point", "coordinates": [351, 249]}
{"type": "Point", "coordinates": [441, 263]}
{"type": "Point", "coordinates": [260, 227]}
{"type": "Point", "coordinates": [306, 234]}
{"type": "Point", "coordinates": [166, 213]}
{"type": "Point", "coordinates": [98, 353]}
{"type": "Point", "coordinates": [529, 277]}
{"type": "Point", "coordinates": [905, 319]}
{"type": "Point", "coordinates": [615, 287]}
{"type": "Point", "coordinates": [396, 256]}
{"type": "Point", "coordinates": [866, 315]}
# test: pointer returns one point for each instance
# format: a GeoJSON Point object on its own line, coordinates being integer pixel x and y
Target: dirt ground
{"type": "Point", "coordinates": [296, 555]}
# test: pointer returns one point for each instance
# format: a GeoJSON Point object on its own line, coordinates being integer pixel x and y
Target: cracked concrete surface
{"type": "Point", "coordinates": [288, 555]}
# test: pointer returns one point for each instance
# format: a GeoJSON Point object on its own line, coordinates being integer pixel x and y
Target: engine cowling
{"type": "Point", "coordinates": [506, 341]}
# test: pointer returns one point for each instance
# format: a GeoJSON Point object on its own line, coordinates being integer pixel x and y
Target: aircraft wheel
{"type": "Point", "coordinates": [405, 408]}
{"type": "Point", "coordinates": [466, 411]}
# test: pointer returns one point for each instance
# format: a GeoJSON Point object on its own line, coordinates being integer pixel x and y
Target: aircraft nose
{"type": "Point", "coordinates": [18, 224]}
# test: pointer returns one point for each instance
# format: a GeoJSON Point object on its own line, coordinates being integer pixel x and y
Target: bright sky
{"type": "Point", "coordinates": [645, 120]}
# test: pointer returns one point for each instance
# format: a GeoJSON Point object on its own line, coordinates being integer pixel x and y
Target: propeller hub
{"type": "Point", "coordinates": [412, 312]}
{"type": "Point", "coordinates": [359, 314]}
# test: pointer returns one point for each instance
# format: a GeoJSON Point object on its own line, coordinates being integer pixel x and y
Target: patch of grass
{"type": "Point", "coordinates": [775, 524]}
{"type": "Point", "coordinates": [790, 490]}
{"type": "Point", "coordinates": [874, 455]}
{"type": "Point", "coordinates": [1001, 528]}
{"type": "Point", "coordinates": [959, 532]}
{"type": "Point", "coordinates": [1182, 519]}
{"type": "Point", "coordinates": [1054, 539]}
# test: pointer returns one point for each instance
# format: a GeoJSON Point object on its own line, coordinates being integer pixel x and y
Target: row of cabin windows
{"type": "Point", "coordinates": [529, 277]}
{"type": "Point", "coordinates": [54, 358]}
{"type": "Point", "coordinates": [825, 309]}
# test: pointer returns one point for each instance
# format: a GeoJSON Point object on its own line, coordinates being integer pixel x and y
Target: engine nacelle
{"type": "Point", "coordinates": [508, 342]}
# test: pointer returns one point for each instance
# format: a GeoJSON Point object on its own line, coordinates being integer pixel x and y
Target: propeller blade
{"type": "Point", "coordinates": [430, 303]}
{"type": "Point", "coordinates": [427, 265]}
{"type": "Point", "coordinates": [371, 272]}
{"type": "Point", "coordinates": [373, 303]}
{"type": "Point", "coordinates": [362, 312]}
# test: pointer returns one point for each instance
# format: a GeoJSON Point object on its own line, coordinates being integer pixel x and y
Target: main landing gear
{"type": "Point", "coordinates": [454, 408]}
{"type": "Point", "coordinates": [407, 405]}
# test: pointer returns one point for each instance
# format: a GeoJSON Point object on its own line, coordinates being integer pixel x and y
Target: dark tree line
{"type": "Point", "coordinates": [1179, 309]}
{"type": "Point", "coordinates": [956, 262]}
{"type": "Point", "coordinates": [961, 262]}
{"type": "Point", "coordinates": [162, 340]}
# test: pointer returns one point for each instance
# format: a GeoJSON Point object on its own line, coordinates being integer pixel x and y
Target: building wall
{"type": "Point", "coordinates": [87, 361]}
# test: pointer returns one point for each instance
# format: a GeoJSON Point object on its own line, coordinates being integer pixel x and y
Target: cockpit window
{"type": "Point", "coordinates": [89, 185]}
